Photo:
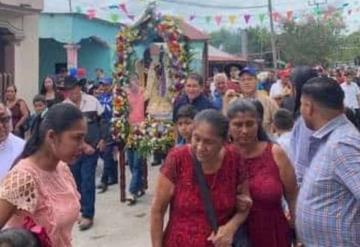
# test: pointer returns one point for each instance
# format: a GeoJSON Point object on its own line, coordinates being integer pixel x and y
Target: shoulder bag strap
{"type": "Point", "coordinates": [205, 194]}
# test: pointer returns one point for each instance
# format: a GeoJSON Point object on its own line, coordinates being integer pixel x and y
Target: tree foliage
{"type": "Point", "coordinates": [311, 41]}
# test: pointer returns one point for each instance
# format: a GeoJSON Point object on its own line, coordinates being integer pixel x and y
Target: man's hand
{"type": "Point", "coordinates": [88, 149]}
{"type": "Point", "coordinates": [101, 146]}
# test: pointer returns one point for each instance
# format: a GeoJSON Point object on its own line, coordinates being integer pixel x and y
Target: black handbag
{"type": "Point", "coordinates": [240, 237]}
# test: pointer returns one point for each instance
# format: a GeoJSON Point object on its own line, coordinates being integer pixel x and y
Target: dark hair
{"type": "Point", "coordinates": [18, 238]}
{"type": "Point", "coordinates": [13, 86]}
{"type": "Point", "coordinates": [300, 75]}
{"type": "Point", "coordinates": [215, 119]}
{"type": "Point", "coordinates": [99, 69]}
{"type": "Point", "coordinates": [59, 118]}
{"type": "Point", "coordinates": [39, 98]}
{"type": "Point", "coordinates": [196, 77]}
{"type": "Point", "coordinates": [259, 108]}
{"type": "Point", "coordinates": [250, 106]}
{"type": "Point", "coordinates": [325, 91]}
{"type": "Point", "coordinates": [43, 89]}
{"type": "Point", "coordinates": [283, 119]}
{"type": "Point", "coordinates": [186, 111]}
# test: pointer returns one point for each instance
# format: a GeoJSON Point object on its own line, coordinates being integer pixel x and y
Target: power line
{"type": "Point", "coordinates": [213, 6]}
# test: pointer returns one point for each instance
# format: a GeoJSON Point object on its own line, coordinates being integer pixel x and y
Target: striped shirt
{"type": "Point", "coordinates": [299, 152]}
{"type": "Point", "coordinates": [328, 205]}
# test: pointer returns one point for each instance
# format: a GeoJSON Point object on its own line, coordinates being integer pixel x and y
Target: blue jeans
{"type": "Point", "coordinates": [135, 162]}
{"type": "Point", "coordinates": [110, 173]}
{"type": "Point", "coordinates": [84, 173]}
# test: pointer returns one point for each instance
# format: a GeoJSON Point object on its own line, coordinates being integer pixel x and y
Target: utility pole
{"type": "Point", "coordinates": [70, 6]}
{"type": "Point", "coordinates": [273, 44]}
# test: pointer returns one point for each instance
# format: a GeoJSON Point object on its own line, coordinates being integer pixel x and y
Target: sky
{"type": "Point", "coordinates": [202, 13]}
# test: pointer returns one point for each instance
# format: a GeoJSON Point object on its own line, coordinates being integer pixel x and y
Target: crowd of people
{"type": "Point", "coordinates": [261, 159]}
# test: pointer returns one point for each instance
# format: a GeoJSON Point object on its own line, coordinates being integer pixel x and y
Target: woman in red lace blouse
{"type": "Point", "coordinates": [177, 187]}
{"type": "Point", "coordinates": [271, 176]}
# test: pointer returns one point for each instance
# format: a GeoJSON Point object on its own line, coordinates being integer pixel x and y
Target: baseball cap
{"type": "Point", "coordinates": [248, 70]}
{"type": "Point", "coordinates": [106, 81]}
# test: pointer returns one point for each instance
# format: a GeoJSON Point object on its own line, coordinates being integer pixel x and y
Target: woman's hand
{"type": "Point", "coordinates": [223, 238]}
{"type": "Point", "coordinates": [243, 202]}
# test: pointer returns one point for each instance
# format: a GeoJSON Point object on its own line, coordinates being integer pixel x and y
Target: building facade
{"type": "Point", "coordinates": [19, 46]}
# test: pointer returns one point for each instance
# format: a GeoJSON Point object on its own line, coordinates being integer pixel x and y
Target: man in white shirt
{"type": "Point", "coordinates": [352, 92]}
{"type": "Point", "coordinates": [10, 145]}
{"type": "Point", "coordinates": [282, 87]}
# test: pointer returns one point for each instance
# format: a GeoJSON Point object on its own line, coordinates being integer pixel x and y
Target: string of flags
{"type": "Point", "coordinates": [117, 12]}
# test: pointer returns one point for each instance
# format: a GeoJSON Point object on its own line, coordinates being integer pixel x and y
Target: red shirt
{"type": "Point", "coordinates": [188, 225]}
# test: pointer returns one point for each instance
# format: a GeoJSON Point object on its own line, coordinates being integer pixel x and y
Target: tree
{"type": "Point", "coordinates": [310, 42]}
{"type": "Point", "coordinates": [258, 40]}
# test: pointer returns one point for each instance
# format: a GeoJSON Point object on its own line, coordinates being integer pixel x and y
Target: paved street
{"type": "Point", "coordinates": [117, 224]}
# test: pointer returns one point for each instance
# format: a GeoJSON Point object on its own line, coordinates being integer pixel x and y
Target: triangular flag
{"type": "Point", "coordinates": [247, 18]}
{"type": "Point", "coordinates": [113, 6]}
{"type": "Point", "coordinates": [317, 10]}
{"type": "Point", "coordinates": [289, 15]}
{"type": "Point", "coordinates": [218, 19]}
{"type": "Point", "coordinates": [275, 16]}
{"type": "Point", "coordinates": [208, 19]}
{"type": "Point", "coordinates": [122, 6]}
{"type": "Point", "coordinates": [78, 9]}
{"type": "Point", "coordinates": [192, 17]}
{"type": "Point", "coordinates": [114, 17]}
{"type": "Point", "coordinates": [91, 13]}
{"type": "Point", "coordinates": [262, 17]}
{"type": "Point", "coordinates": [131, 17]}
{"type": "Point", "coordinates": [349, 11]}
{"type": "Point", "coordinates": [232, 19]}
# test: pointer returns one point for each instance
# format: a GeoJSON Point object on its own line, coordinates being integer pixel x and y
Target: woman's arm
{"type": "Point", "coordinates": [226, 233]}
{"type": "Point", "coordinates": [163, 194]}
{"type": "Point", "coordinates": [6, 211]}
{"type": "Point", "coordinates": [288, 178]}
{"type": "Point", "coordinates": [24, 112]}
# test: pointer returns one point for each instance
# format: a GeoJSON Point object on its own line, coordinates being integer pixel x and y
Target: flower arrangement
{"type": "Point", "coordinates": [168, 29]}
{"type": "Point", "coordinates": [152, 135]}
{"type": "Point", "coordinates": [124, 49]}
{"type": "Point", "coordinates": [120, 124]}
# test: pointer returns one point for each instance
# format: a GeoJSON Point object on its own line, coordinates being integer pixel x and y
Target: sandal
{"type": "Point", "coordinates": [131, 201]}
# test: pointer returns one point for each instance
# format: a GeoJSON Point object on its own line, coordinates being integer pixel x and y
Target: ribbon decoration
{"type": "Point", "coordinates": [218, 19]}
{"type": "Point", "coordinates": [247, 18]}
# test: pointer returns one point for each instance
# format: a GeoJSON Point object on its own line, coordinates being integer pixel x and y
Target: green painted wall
{"type": "Point", "coordinates": [51, 52]}
{"type": "Point", "coordinates": [94, 55]}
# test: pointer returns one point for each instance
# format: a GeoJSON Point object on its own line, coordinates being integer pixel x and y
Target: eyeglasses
{"type": "Point", "coordinates": [5, 120]}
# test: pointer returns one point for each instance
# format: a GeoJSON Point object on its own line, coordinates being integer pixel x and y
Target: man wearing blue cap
{"type": "Point", "coordinates": [109, 176]}
{"type": "Point", "coordinates": [248, 85]}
